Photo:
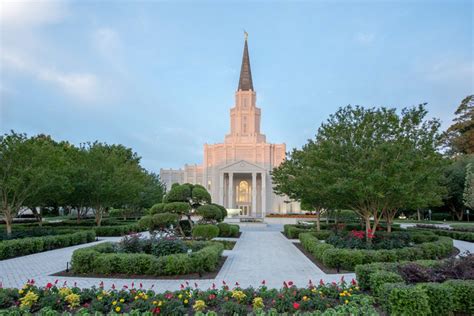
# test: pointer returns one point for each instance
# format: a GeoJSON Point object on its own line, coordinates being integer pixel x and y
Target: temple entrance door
{"type": "Point", "coordinates": [244, 210]}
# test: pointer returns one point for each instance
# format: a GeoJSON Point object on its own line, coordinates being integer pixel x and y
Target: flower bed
{"type": "Point", "coordinates": [293, 230]}
{"type": "Point", "coordinates": [162, 259]}
{"type": "Point", "coordinates": [407, 288]}
{"type": "Point", "coordinates": [322, 299]}
{"type": "Point", "coordinates": [25, 246]}
{"type": "Point", "coordinates": [347, 259]}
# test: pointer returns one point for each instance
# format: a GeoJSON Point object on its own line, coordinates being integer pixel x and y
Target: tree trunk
{"type": "Point", "coordinates": [98, 216]}
{"type": "Point", "coordinates": [37, 215]}
{"type": "Point", "coordinates": [418, 214]}
{"type": "Point", "coordinates": [367, 228]}
{"type": "Point", "coordinates": [318, 220]}
{"type": "Point", "coordinates": [389, 225]}
{"type": "Point", "coordinates": [8, 221]}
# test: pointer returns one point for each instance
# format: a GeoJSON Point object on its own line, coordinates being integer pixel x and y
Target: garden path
{"type": "Point", "coordinates": [260, 254]}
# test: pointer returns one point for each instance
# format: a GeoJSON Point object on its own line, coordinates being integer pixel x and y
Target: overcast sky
{"type": "Point", "coordinates": [160, 76]}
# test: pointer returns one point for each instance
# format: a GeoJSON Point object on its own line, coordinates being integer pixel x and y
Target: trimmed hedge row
{"type": "Point", "coordinates": [109, 231]}
{"type": "Point", "coordinates": [398, 298]}
{"type": "Point", "coordinates": [25, 246]}
{"type": "Point", "coordinates": [293, 230]}
{"type": "Point", "coordinates": [347, 259]}
{"type": "Point", "coordinates": [466, 236]}
{"type": "Point", "coordinates": [103, 259]}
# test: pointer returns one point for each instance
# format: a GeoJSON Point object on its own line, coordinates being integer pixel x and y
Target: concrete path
{"type": "Point", "coordinates": [260, 254]}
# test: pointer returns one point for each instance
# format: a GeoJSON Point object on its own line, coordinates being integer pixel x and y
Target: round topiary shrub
{"type": "Point", "coordinates": [209, 212]}
{"type": "Point", "coordinates": [160, 221]}
{"type": "Point", "coordinates": [222, 209]}
{"type": "Point", "coordinates": [157, 208]}
{"type": "Point", "coordinates": [177, 207]}
{"type": "Point", "coordinates": [205, 231]}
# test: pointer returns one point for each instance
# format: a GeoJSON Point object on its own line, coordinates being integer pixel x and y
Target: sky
{"type": "Point", "coordinates": [160, 76]}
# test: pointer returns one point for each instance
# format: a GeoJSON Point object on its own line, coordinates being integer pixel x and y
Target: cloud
{"type": "Point", "coordinates": [82, 85]}
{"type": "Point", "coordinates": [364, 38]}
{"type": "Point", "coordinates": [26, 14]}
{"type": "Point", "coordinates": [107, 41]}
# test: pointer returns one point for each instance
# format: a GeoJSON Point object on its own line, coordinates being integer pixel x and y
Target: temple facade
{"type": "Point", "coordinates": [237, 172]}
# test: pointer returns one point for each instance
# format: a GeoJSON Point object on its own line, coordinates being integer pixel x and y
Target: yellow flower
{"type": "Point", "coordinates": [199, 305]}
{"type": "Point", "coordinates": [114, 303]}
{"type": "Point", "coordinates": [29, 299]}
{"type": "Point", "coordinates": [305, 298]}
{"type": "Point", "coordinates": [160, 303]}
{"type": "Point", "coordinates": [357, 288]}
{"type": "Point", "coordinates": [342, 294]}
{"type": "Point", "coordinates": [239, 295]}
{"type": "Point", "coordinates": [185, 301]}
{"type": "Point", "coordinates": [99, 298]}
{"type": "Point", "coordinates": [258, 303]}
{"type": "Point", "coordinates": [117, 309]}
{"type": "Point", "coordinates": [314, 291]}
{"type": "Point", "coordinates": [180, 296]}
{"type": "Point", "coordinates": [21, 292]}
{"type": "Point", "coordinates": [64, 291]}
{"type": "Point", "coordinates": [136, 298]}
{"type": "Point", "coordinates": [346, 302]}
{"type": "Point", "coordinates": [73, 300]}
{"type": "Point", "coordinates": [155, 302]}
{"type": "Point", "coordinates": [122, 300]}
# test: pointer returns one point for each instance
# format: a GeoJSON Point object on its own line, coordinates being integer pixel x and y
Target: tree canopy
{"type": "Point", "coordinates": [460, 135]}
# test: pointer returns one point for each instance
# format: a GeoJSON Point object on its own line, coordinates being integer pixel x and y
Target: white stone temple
{"type": "Point", "coordinates": [237, 171]}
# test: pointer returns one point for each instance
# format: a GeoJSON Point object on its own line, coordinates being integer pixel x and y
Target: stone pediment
{"type": "Point", "coordinates": [242, 166]}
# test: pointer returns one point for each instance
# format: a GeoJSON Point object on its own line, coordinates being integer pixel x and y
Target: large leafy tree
{"type": "Point", "coordinates": [460, 135]}
{"type": "Point", "coordinates": [468, 195]}
{"type": "Point", "coordinates": [28, 167]}
{"type": "Point", "coordinates": [454, 181]}
{"type": "Point", "coordinates": [291, 178]}
{"type": "Point", "coordinates": [372, 161]}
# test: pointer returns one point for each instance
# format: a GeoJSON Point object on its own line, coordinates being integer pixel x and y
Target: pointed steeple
{"type": "Point", "coordinates": [245, 81]}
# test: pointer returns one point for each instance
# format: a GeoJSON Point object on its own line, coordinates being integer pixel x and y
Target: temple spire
{"type": "Point", "coordinates": [245, 81]}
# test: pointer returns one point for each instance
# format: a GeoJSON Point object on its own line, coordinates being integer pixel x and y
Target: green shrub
{"type": "Point", "coordinates": [222, 209]}
{"type": "Point", "coordinates": [157, 208]}
{"type": "Point", "coordinates": [165, 247]}
{"type": "Point", "coordinates": [379, 278]}
{"type": "Point", "coordinates": [408, 300]}
{"type": "Point", "coordinates": [25, 246]}
{"type": "Point", "coordinates": [158, 221]}
{"type": "Point", "coordinates": [363, 272]}
{"type": "Point", "coordinates": [440, 298]}
{"type": "Point", "coordinates": [210, 212]}
{"type": "Point", "coordinates": [463, 293]}
{"type": "Point", "coordinates": [293, 232]}
{"type": "Point", "coordinates": [205, 231]}
{"type": "Point", "coordinates": [228, 230]}
{"type": "Point", "coordinates": [120, 230]}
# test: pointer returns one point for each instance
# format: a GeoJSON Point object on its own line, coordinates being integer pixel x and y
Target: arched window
{"type": "Point", "coordinates": [243, 190]}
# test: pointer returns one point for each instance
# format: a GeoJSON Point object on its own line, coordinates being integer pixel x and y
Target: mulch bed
{"type": "Point", "coordinates": [191, 276]}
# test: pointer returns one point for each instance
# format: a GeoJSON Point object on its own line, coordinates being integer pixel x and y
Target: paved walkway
{"type": "Point", "coordinates": [262, 254]}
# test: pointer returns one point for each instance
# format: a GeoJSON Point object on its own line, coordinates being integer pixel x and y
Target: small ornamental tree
{"type": "Point", "coordinates": [210, 213]}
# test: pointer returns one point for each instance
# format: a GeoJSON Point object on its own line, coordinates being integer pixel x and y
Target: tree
{"type": "Point", "coordinates": [460, 136]}
{"type": "Point", "coordinates": [291, 178]}
{"type": "Point", "coordinates": [26, 165]}
{"type": "Point", "coordinates": [468, 196]}
{"type": "Point", "coordinates": [371, 161]}
{"type": "Point", "coordinates": [454, 180]}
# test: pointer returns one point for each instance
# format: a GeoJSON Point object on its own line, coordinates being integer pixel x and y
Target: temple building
{"type": "Point", "coordinates": [237, 172]}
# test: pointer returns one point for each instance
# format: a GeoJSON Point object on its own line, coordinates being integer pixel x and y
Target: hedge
{"type": "Point", "coordinates": [466, 236]}
{"type": "Point", "coordinates": [347, 259]}
{"type": "Point", "coordinates": [205, 231]}
{"type": "Point", "coordinates": [25, 246]}
{"type": "Point", "coordinates": [109, 231]}
{"type": "Point", "coordinates": [292, 231]}
{"type": "Point", "coordinates": [397, 298]}
{"type": "Point", "coordinates": [228, 230]}
{"type": "Point", "coordinates": [103, 259]}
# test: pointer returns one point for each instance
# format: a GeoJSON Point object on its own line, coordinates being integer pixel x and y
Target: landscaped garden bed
{"type": "Point", "coordinates": [153, 256]}
{"type": "Point", "coordinates": [29, 245]}
{"type": "Point", "coordinates": [461, 234]}
{"type": "Point", "coordinates": [421, 287]}
{"type": "Point", "coordinates": [423, 246]}
{"type": "Point", "coordinates": [316, 299]}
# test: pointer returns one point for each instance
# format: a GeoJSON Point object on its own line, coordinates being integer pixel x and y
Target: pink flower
{"type": "Point", "coordinates": [321, 282]}
{"type": "Point", "coordinates": [101, 284]}
{"type": "Point", "coordinates": [296, 305]}
{"type": "Point", "coordinates": [56, 282]}
{"type": "Point", "coordinates": [113, 286]}
{"type": "Point", "coordinates": [354, 282]}
{"type": "Point", "coordinates": [195, 285]}
{"type": "Point", "coordinates": [213, 286]}
{"type": "Point", "coordinates": [290, 283]}
{"type": "Point", "coordinates": [342, 279]}
{"type": "Point", "coordinates": [263, 282]}
{"type": "Point", "coordinates": [141, 285]}
{"type": "Point", "coordinates": [236, 283]}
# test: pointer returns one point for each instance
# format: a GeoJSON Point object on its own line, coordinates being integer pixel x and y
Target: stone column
{"type": "Point", "coordinates": [254, 193]}
{"type": "Point", "coordinates": [264, 193]}
{"type": "Point", "coordinates": [221, 188]}
{"type": "Point", "coordinates": [231, 191]}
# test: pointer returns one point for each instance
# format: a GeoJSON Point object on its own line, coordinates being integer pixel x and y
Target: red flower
{"type": "Point", "coordinates": [354, 282]}
{"type": "Point", "coordinates": [296, 305]}
{"type": "Point", "coordinates": [156, 310]}
{"type": "Point", "coordinates": [290, 283]}
{"type": "Point", "coordinates": [113, 286]}
{"type": "Point", "coordinates": [321, 282]}
{"type": "Point", "coordinates": [212, 296]}
{"type": "Point", "coordinates": [141, 285]}
{"type": "Point", "coordinates": [237, 284]}
{"type": "Point", "coordinates": [49, 285]}
{"type": "Point", "coordinates": [213, 286]}
{"type": "Point", "coordinates": [263, 282]}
